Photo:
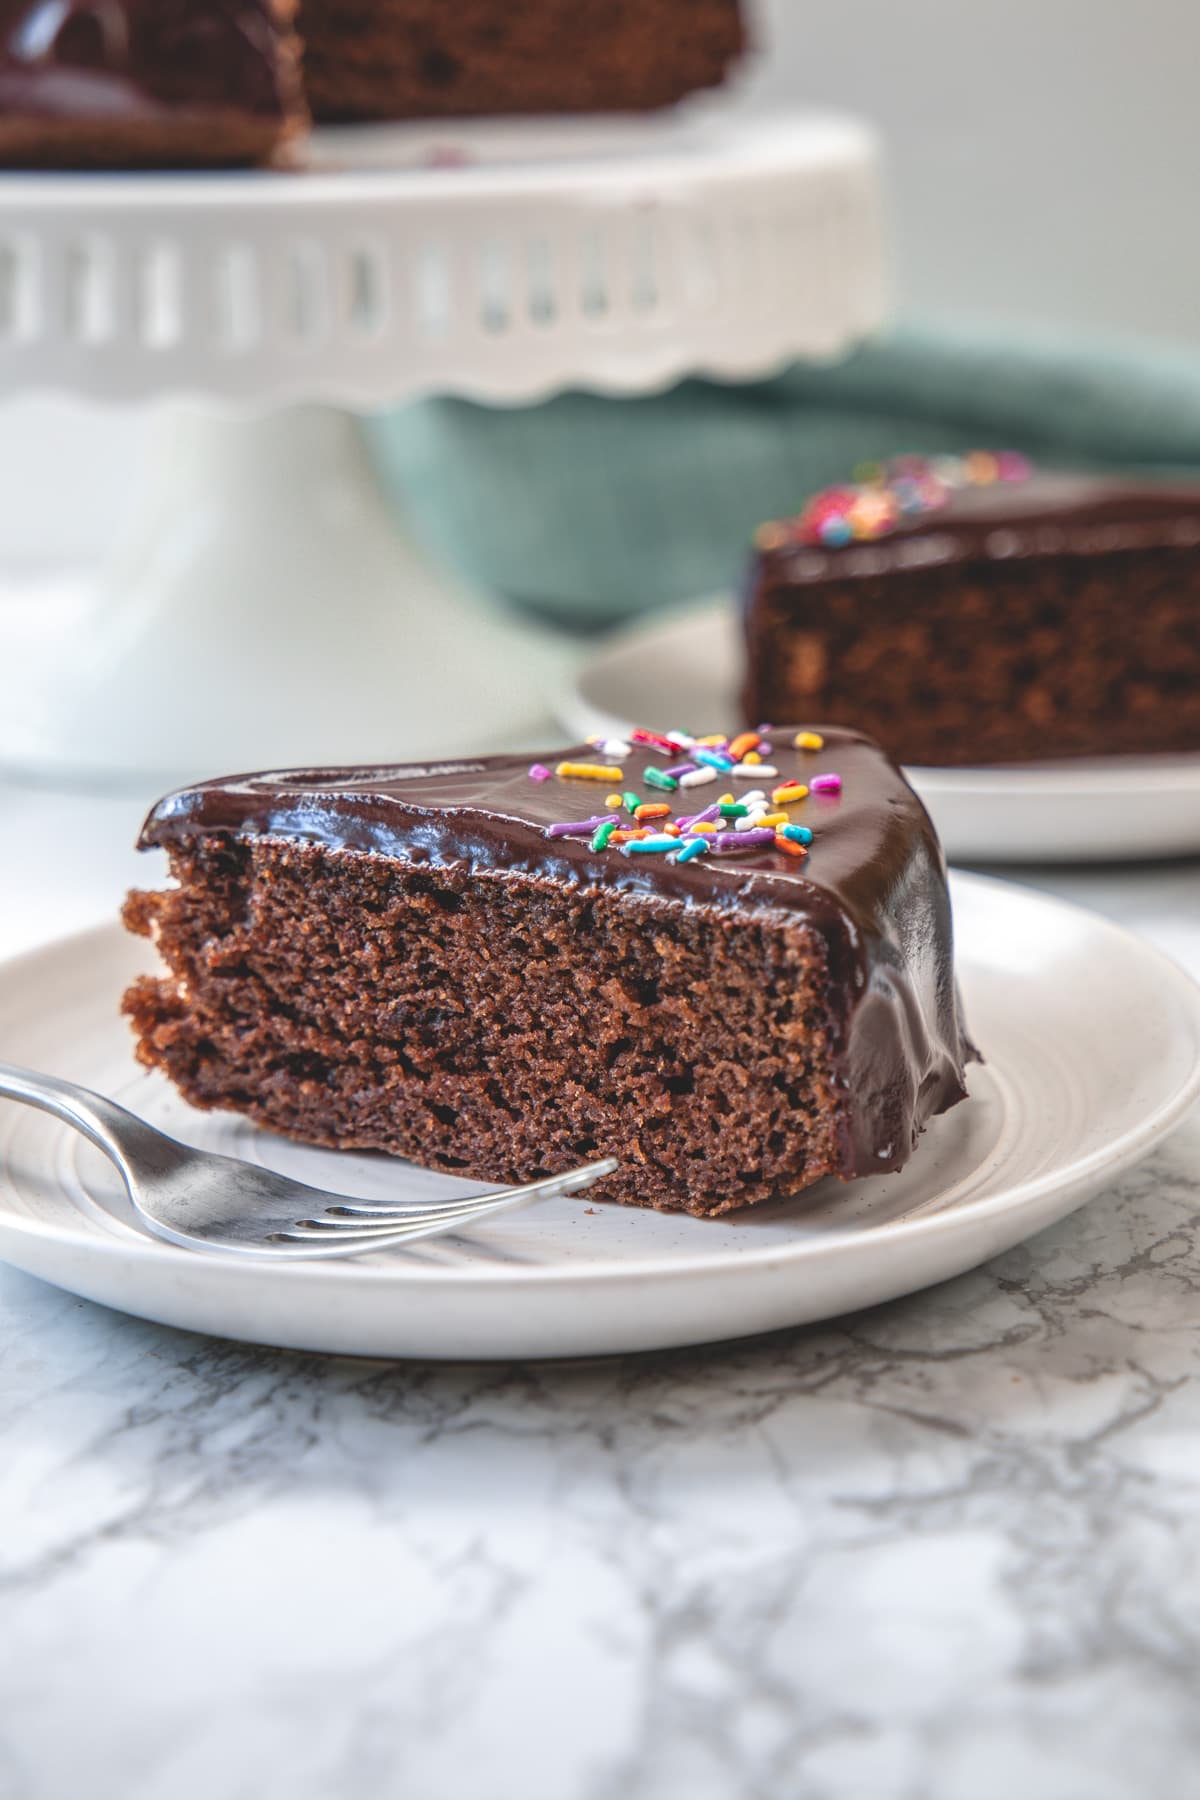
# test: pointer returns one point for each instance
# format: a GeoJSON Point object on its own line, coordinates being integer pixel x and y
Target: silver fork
{"type": "Point", "coordinates": [210, 1202]}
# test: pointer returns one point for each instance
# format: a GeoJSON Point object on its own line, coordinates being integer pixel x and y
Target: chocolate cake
{"type": "Point", "coordinates": [733, 971]}
{"type": "Point", "coordinates": [389, 59]}
{"type": "Point", "coordinates": [122, 83]}
{"type": "Point", "coordinates": [973, 610]}
{"type": "Point", "coordinates": [174, 83]}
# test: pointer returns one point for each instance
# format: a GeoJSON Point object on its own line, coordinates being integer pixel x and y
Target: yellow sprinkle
{"type": "Point", "coordinates": [770, 537]}
{"type": "Point", "coordinates": [773, 819]}
{"type": "Point", "coordinates": [590, 771]}
{"type": "Point", "coordinates": [752, 756]}
{"type": "Point", "coordinates": [703, 825]}
{"type": "Point", "coordinates": [726, 800]}
{"type": "Point", "coordinates": [614, 802]}
{"type": "Point", "coordinates": [710, 743]}
{"type": "Point", "coordinates": [789, 791]}
{"type": "Point", "coordinates": [809, 740]}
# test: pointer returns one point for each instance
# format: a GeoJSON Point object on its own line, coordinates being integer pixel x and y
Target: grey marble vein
{"type": "Point", "coordinates": [945, 1550]}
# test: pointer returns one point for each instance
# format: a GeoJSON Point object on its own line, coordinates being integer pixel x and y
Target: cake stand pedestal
{"type": "Point", "coordinates": [268, 606]}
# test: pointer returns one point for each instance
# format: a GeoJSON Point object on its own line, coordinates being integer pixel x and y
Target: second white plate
{"type": "Point", "coordinates": [688, 665]}
{"type": "Point", "coordinates": [1062, 1105]}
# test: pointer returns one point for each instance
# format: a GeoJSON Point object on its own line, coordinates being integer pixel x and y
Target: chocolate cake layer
{"type": "Point", "coordinates": [419, 959]}
{"type": "Point", "coordinates": [1048, 616]}
{"type": "Point", "coordinates": [168, 83]}
{"type": "Point", "coordinates": [397, 59]}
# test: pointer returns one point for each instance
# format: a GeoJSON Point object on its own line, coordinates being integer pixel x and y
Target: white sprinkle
{"type": "Point", "coordinates": [750, 822]}
{"type": "Point", "coordinates": [698, 778]}
{"type": "Point", "coordinates": [616, 748]}
{"type": "Point", "coordinates": [754, 796]}
{"type": "Point", "coordinates": [752, 771]}
{"type": "Point", "coordinates": [681, 738]}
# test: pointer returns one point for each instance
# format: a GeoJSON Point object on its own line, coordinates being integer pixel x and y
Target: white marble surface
{"type": "Point", "coordinates": [946, 1549]}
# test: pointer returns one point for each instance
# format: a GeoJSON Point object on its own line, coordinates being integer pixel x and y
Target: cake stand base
{"type": "Point", "coordinates": [268, 611]}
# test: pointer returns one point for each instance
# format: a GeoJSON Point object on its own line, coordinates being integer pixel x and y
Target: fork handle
{"type": "Point", "coordinates": [101, 1121]}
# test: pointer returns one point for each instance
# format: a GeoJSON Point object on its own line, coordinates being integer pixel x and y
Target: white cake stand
{"type": "Point", "coordinates": [268, 607]}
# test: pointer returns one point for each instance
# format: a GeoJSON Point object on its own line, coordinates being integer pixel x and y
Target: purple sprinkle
{"type": "Point", "coordinates": [678, 769]}
{"type": "Point", "coordinates": [577, 827]}
{"type": "Point", "coordinates": [825, 784]}
{"type": "Point", "coordinates": [538, 772]}
{"type": "Point", "coordinates": [712, 813]}
{"type": "Point", "coordinates": [763, 730]}
{"type": "Point", "coordinates": [741, 840]}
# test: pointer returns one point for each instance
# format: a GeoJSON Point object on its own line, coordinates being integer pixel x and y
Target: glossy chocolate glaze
{"type": "Point", "coordinates": [1049, 514]}
{"type": "Point", "coordinates": [873, 885]}
{"type": "Point", "coordinates": [133, 59]}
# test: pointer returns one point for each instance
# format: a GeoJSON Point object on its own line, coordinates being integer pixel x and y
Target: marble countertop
{"type": "Point", "coordinates": [947, 1548]}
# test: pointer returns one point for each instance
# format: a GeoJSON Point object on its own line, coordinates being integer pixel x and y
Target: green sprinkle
{"type": "Point", "coordinates": [733, 809]}
{"type": "Point", "coordinates": [630, 802]}
{"type": "Point", "coordinates": [655, 778]}
{"type": "Point", "coordinates": [603, 833]}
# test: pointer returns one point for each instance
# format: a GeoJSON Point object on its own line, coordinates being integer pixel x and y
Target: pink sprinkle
{"type": "Point", "coordinates": [538, 772]}
{"type": "Point", "coordinates": [825, 784]}
{"type": "Point", "coordinates": [576, 827]}
{"type": "Point", "coordinates": [1012, 466]}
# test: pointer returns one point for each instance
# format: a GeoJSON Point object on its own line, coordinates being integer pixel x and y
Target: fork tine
{"type": "Point", "coordinates": [571, 1181]}
{"type": "Point", "coordinates": [429, 1221]}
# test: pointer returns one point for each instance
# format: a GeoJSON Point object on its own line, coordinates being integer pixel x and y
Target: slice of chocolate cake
{"type": "Point", "coordinates": [415, 59]}
{"type": "Point", "coordinates": [163, 83]}
{"type": "Point", "coordinates": [971, 610]}
{"type": "Point", "coordinates": [726, 964]}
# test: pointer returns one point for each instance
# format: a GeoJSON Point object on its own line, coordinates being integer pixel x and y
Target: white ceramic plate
{"type": "Point", "coordinates": [1062, 1105]}
{"type": "Point", "coordinates": [688, 665]}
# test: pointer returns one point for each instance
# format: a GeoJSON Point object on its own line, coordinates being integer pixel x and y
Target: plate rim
{"type": "Point", "coordinates": [1070, 777]}
{"type": "Point", "coordinates": [1111, 1157]}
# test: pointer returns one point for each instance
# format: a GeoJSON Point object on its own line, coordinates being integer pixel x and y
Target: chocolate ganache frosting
{"type": "Point", "coordinates": [134, 59]}
{"type": "Point", "coordinates": [1046, 513]}
{"type": "Point", "coordinates": [872, 884]}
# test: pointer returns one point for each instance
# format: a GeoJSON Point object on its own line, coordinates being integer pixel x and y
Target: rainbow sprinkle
{"type": "Point", "coordinates": [882, 496]}
{"type": "Point", "coordinates": [729, 826]}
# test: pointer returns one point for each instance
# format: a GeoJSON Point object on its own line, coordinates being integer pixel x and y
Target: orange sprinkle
{"type": "Point", "coordinates": [782, 843]}
{"type": "Point", "coordinates": [651, 809]}
{"type": "Point", "coordinates": [789, 791]}
{"type": "Point", "coordinates": [746, 740]}
{"type": "Point", "coordinates": [624, 837]}
{"type": "Point", "coordinates": [671, 830]}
